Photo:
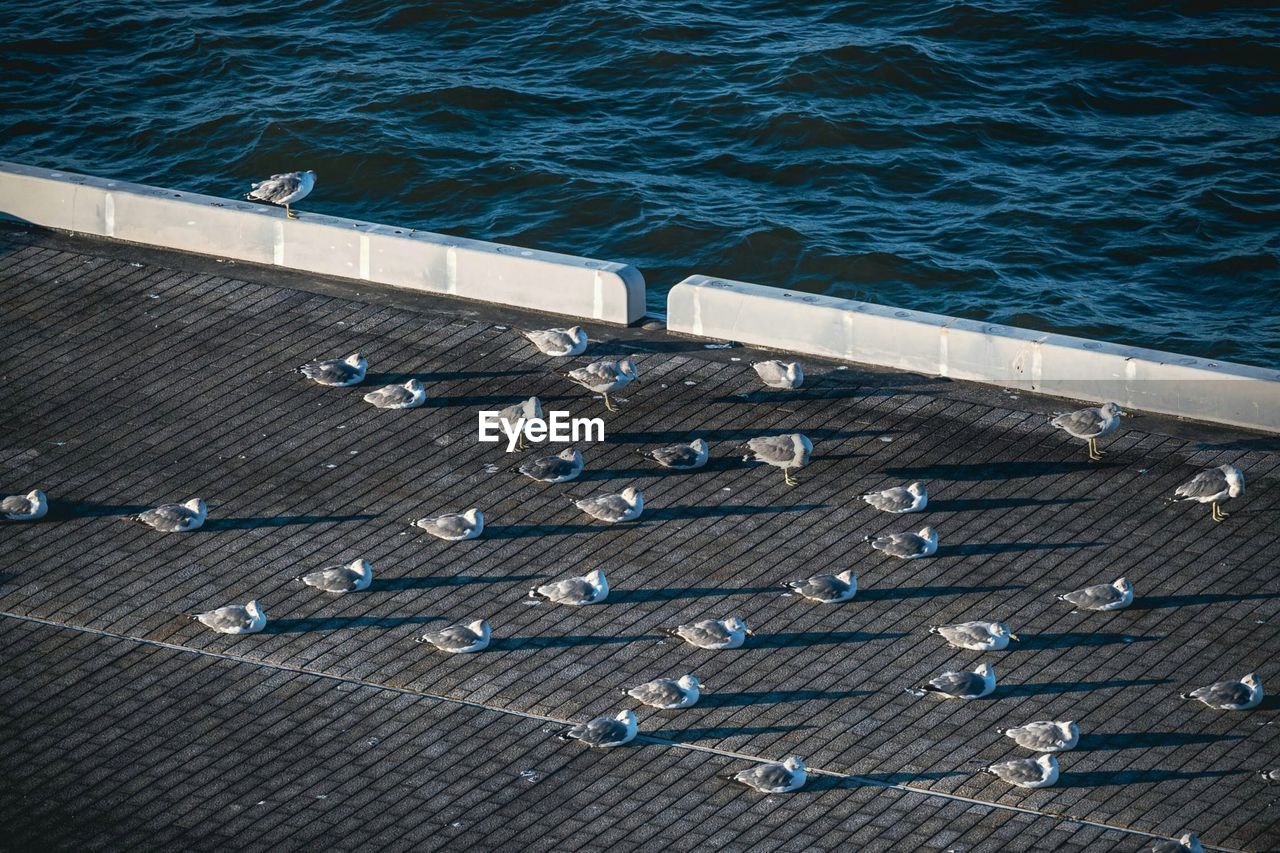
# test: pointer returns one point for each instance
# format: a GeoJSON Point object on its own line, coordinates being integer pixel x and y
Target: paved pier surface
{"type": "Point", "coordinates": [133, 377]}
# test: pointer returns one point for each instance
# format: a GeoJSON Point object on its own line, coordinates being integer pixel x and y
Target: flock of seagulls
{"type": "Point", "coordinates": [789, 453]}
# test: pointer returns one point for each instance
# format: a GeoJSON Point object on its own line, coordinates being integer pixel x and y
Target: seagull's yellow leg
{"type": "Point", "coordinates": [1216, 512]}
{"type": "Point", "coordinates": [288, 212]}
{"type": "Point", "coordinates": [786, 475]}
{"type": "Point", "coordinates": [607, 404]}
{"type": "Point", "coordinates": [1094, 453]}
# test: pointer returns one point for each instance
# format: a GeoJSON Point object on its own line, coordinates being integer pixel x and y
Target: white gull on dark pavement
{"type": "Point", "coordinates": [234, 618]}
{"type": "Point", "coordinates": [459, 639]}
{"type": "Point", "coordinates": [780, 777]}
{"type": "Point", "coordinates": [604, 732]}
{"type": "Point", "coordinates": [1045, 735]}
{"type": "Point", "coordinates": [1230, 695]}
{"type": "Point", "coordinates": [788, 375]}
{"type": "Point", "coordinates": [668, 693]}
{"type": "Point", "coordinates": [626, 505]}
{"type": "Point", "coordinates": [977, 636]}
{"type": "Point", "coordinates": [712, 633]}
{"type": "Point", "coordinates": [525, 410]}
{"type": "Point", "coordinates": [559, 342]}
{"type": "Point", "coordinates": [561, 468]}
{"type": "Point", "coordinates": [1189, 843]}
{"type": "Point", "coordinates": [604, 377]}
{"type": "Point", "coordinates": [906, 546]}
{"type": "Point", "coordinates": [410, 395]}
{"type": "Point", "coordinates": [454, 526]}
{"type": "Point", "coordinates": [679, 457]}
{"type": "Point", "coordinates": [174, 518]}
{"type": "Point", "coordinates": [591, 588]}
{"type": "Point", "coordinates": [827, 589]}
{"type": "Point", "coordinates": [961, 685]}
{"type": "Point", "coordinates": [1090, 424]}
{"type": "Point", "coordinates": [354, 577]}
{"type": "Point", "coordinates": [899, 499]}
{"type": "Point", "coordinates": [1213, 487]}
{"type": "Point", "coordinates": [1104, 596]}
{"type": "Point", "coordinates": [781, 451]}
{"type": "Point", "coordinates": [336, 372]}
{"type": "Point", "coordinates": [29, 507]}
{"type": "Point", "coordinates": [1038, 772]}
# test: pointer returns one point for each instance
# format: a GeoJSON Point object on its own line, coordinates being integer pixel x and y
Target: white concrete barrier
{"type": "Point", "coordinates": [844, 329]}
{"type": "Point", "coordinates": [328, 245]}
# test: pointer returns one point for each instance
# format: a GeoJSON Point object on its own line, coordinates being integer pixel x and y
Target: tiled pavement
{"type": "Point", "coordinates": [128, 383]}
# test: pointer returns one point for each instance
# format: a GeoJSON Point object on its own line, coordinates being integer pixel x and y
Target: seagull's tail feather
{"type": "Point", "coordinates": [935, 629]}
{"type": "Point", "coordinates": [868, 538]}
{"type": "Point", "coordinates": [672, 632]}
{"type": "Point", "coordinates": [729, 777]}
{"type": "Point", "coordinates": [568, 734]}
{"type": "Point", "coordinates": [1185, 696]}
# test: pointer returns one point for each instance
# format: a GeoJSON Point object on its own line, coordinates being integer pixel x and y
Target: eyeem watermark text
{"type": "Point", "coordinates": [557, 427]}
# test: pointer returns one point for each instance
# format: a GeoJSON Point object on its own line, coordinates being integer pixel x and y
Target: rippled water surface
{"type": "Point", "coordinates": [1103, 169]}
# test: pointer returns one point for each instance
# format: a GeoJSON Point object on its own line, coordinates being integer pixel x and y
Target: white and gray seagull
{"type": "Point", "coordinates": [234, 618]}
{"type": "Point", "coordinates": [604, 732]}
{"type": "Point", "coordinates": [788, 375]}
{"type": "Point", "coordinates": [899, 499]}
{"type": "Point", "coordinates": [1212, 487]}
{"type": "Point", "coordinates": [561, 468]}
{"type": "Point", "coordinates": [591, 588]}
{"type": "Point", "coordinates": [174, 518]}
{"type": "Point", "coordinates": [526, 410]}
{"type": "Point", "coordinates": [1090, 425]}
{"type": "Point", "coordinates": [772, 777]}
{"type": "Point", "coordinates": [728, 633]}
{"type": "Point", "coordinates": [626, 505]}
{"type": "Point", "coordinates": [781, 451]}
{"type": "Point", "coordinates": [605, 376]}
{"type": "Point", "coordinates": [559, 342]}
{"type": "Point", "coordinates": [353, 577]}
{"type": "Point", "coordinates": [336, 372]}
{"type": "Point", "coordinates": [284, 189]}
{"type": "Point", "coordinates": [454, 526]}
{"type": "Point", "coordinates": [827, 589]}
{"type": "Point", "coordinates": [410, 395]}
{"type": "Point", "coordinates": [29, 507]}
{"type": "Point", "coordinates": [906, 546]}
{"type": "Point", "coordinates": [668, 694]}
{"type": "Point", "coordinates": [962, 685]}
{"type": "Point", "coordinates": [1230, 695]}
{"type": "Point", "coordinates": [679, 457]}
{"type": "Point", "coordinates": [1103, 596]}
{"type": "Point", "coordinates": [1045, 735]}
{"type": "Point", "coordinates": [1038, 772]}
{"type": "Point", "coordinates": [976, 636]}
{"type": "Point", "coordinates": [459, 639]}
{"type": "Point", "coordinates": [1189, 843]}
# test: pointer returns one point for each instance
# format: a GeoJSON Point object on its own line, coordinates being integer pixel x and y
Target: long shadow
{"type": "Point", "coordinates": [643, 596]}
{"type": "Point", "coordinates": [1074, 640]}
{"type": "Point", "coordinates": [1053, 687]}
{"type": "Point", "coordinates": [1096, 778]}
{"type": "Point", "coordinates": [375, 380]}
{"type": "Point", "coordinates": [787, 640]}
{"type": "Point", "coordinates": [521, 531]}
{"type": "Point", "coordinates": [61, 510]}
{"type": "Point", "coordinates": [718, 732]}
{"type": "Point", "coordinates": [895, 593]}
{"type": "Point", "coordinates": [510, 644]}
{"type": "Point", "coordinates": [604, 349]}
{"type": "Point", "coordinates": [722, 463]}
{"type": "Point", "coordinates": [1157, 602]}
{"type": "Point", "coordinates": [1009, 547]}
{"type": "Point", "coordinates": [473, 400]}
{"type": "Point", "coordinates": [996, 470]}
{"type": "Point", "coordinates": [831, 783]}
{"type": "Point", "coordinates": [398, 584]}
{"type": "Point", "coordinates": [728, 434]}
{"type": "Point", "coordinates": [775, 697]}
{"type": "Point", "coordinates": [688, 512]}
{"type": "Point", "coordinates": [333, 623]}
{"type": "Point", "coordinates": [1147, 740]}
{"type": "Point", "coordinates": [981, 504]}
{"type": "Point", "coordinates": [278, 521]}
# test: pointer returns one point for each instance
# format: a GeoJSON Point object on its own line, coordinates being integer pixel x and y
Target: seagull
{"type": "Point", "coordinates": [29, 507]}
{"type": "Point", "coordinates": [1038, 772]}
{"type": "Point", "coordinates": [410, 395]}
{"type": "Point", "coordinates": [906, 546]}
{"type": "Point", "coordinates": [624, 506]}
{"type": "Point", "coordinates": [234, 618]}
{"type": "Point", "coordinates": [1230, 695]}
{"type": "Point", "coordinates": [459, 639]}
{"type": "Point", "coordinates": [1212, 486]}
{"type": "Point", "coordinates": [1270, 776]}
{"type": "Point", "coordinates": [780, 374]}
{"type": "Point", "coordinates": [679, 457]}
{"type": "Point", "coordinates": [561, 468]}
{"type": "Point", "coordinates": [827, 589]}
{"type": "Point", "coordinates": [340, 579]}
{"type": "Point", "coordinates": [780, 777]}
{"type": "Point", "coordinates": [977, 636]}
{"type": "Point", "coordinates": [591, 588]}
{"type": "Point", "coordinates": [899, 499]}
{"type": "Point", "coordinates": [454, 526]}
{"type": "Point", "coordinates": [336, 372]}
{"type": "Point", "coordinates": [1104, 596]}
{"type": "Point", "coordinates": [964, 685]}
{"type": "Point", "coordinates": [559, 342]}
{"type": "Point", "coordinates": [174, 518]}
{"type": "Point", "coordinates": [668, 694]}
{"type": "Point", "coordinates": [1090, 424]}
{"type": "Point", "coordinates": [713, 633]}
{"type": "Point", "coordinates": [527, 410]}
{"type": "Point", "coordinates": [781, 451]}
{"type": "Point", "coordinates": [605, 376]}
{"type": "Point", "coordinates": [1187, 844]}
{"type": "Point", "coordinates": [285, 189]}
{"type": "Point", "coordinates": [604, 732]}
{"type": "Point", "coordinates": [1045, 735]}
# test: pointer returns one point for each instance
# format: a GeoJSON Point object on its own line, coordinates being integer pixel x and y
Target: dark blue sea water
{"type": "Point", "coordinates": [1102, 169]}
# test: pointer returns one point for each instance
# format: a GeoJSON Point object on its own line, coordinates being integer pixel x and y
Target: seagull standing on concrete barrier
{"type": "Point", "coordinates": [605, 376]}
{"type": "Point", "coordinates": [1211, 487]}
{"type": "Point", "coordinates": [284, 189]}
{"type": "Point", "coordinates": [1090, 424]}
